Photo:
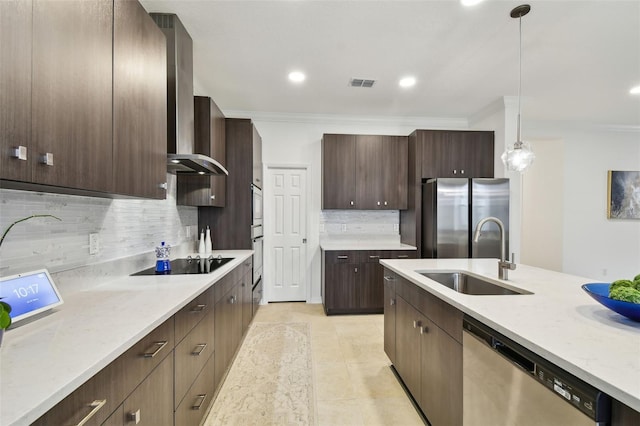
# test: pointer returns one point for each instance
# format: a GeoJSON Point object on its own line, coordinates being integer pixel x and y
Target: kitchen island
{"type": "Point", "coordinates": [45, 360]}
{"type": "Point", "coordinates": [558, 322]}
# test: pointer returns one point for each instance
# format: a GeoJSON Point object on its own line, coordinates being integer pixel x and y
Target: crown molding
{"type": "Point", "coordinates": [417, 122]}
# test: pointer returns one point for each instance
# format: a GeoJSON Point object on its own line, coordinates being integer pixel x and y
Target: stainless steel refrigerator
{"type": "Point", "coordinates": [451, 209]}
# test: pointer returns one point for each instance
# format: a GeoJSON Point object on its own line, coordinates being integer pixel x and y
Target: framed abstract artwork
{"type": "Point", "coordinates": [623, 195]}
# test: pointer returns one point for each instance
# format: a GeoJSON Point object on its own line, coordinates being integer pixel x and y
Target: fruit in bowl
{"type": "Point", "coordinates": [621, 296]}
{"type": "Point", "coordinates": [626, 290]}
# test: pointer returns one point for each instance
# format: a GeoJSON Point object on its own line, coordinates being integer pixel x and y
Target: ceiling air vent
{"type": "Point", "coordinates": [361, 82]}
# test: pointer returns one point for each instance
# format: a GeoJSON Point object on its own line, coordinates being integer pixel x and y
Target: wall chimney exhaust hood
{"type": "Point", "coordinates": [180, 138]}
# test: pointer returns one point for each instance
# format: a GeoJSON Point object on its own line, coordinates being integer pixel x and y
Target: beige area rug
{"type": "Point", "coordinates": [271, 379]}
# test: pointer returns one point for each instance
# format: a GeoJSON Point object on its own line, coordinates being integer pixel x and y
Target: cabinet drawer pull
{"type": "Point", "coordinates": [232, 300]}
{"type": "Point", "coordinates": [374, 257]}
{"type": "Point", "coordinates": [461, 172]}
{"type": "Point", "coordinates": [343, 257]}
{"type": "Point", "coordinates": [417, 324]}
{"type": "Point", "coordinates": [134, 416]}
{"type": "Point", "coordinates": [95, 407]}
{"type": "Point", "coordinates": [158, 345]}
{"type": "Point", "coordinates": [378, 202]}
{"type": "Point", "coordinates": [403, 256]}
{"type": "Point", "coordinates": [385, 203]}
{"type": "Point", "coordinates": [198, 308]}
{"type": "Point", "coordinates": [389, 278]}
{"type": "Point", "coordinates": [352, 203]}
{"type": "Point", "coordinates": [199, 401]}
{"type": "Point", "coordinates": [424, 330]}
{"type": "Point", "coordinates": [201, 347]}
{"type": "Point", "coordinates": [392, 301]}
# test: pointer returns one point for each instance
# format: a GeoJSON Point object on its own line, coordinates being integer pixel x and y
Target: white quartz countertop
{"type": "Point", "coordinates": [559, 321]}
{"type": "Point", "coordinates": [364, 245]}
{"type": "Point", "coordinates": [43, 361]}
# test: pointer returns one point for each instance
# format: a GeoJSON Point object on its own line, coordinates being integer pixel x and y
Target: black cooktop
{"type": "Point", "coordinates": [190, 265]}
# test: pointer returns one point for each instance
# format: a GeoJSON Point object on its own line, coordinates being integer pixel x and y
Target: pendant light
{"type": "Point", "coordinates": [519, 156]}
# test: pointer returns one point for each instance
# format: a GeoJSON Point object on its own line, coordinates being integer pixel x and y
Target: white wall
{"type": "Point", "coordinates": [594, 246]}
{"type": "Point", "coordinates": [543, 206]}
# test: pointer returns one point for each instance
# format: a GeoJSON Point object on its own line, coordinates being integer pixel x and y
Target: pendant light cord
{"type": "Point", "coordinates": [519, 80]}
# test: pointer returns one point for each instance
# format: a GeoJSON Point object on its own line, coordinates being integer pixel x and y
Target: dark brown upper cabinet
{"type": "Point", "coordinates": [139, 103]}
{"type": "Point", "coordinates": [71, 111]}
{"type": "Point", "coordinates": [365, 172]}
{"type": "Point", "coordinates": [209, 133]}
{"type": "Point", "coordinates": [15, 86]}
{"type": "Point", "coordinates": [457, 153]}
{"type": "Point", "coordinates": [83, 98]}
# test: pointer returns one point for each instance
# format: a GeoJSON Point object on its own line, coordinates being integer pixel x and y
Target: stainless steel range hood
{"type": "Point", "coordinates": [180, 117]}
{"type": "Point", "coordinates": [194, 164]}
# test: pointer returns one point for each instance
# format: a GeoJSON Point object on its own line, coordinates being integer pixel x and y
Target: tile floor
{"type": "Point", "coordinates": [353, 383]}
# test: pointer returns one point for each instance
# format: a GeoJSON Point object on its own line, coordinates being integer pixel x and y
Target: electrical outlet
{"type": "Point", "coordinates": [94, 243]}
{"type": "Point", "coordinates": [344, 227]}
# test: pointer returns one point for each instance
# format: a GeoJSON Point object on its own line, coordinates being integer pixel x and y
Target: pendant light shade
{"type": "Point", "coordinates": [519, 156]}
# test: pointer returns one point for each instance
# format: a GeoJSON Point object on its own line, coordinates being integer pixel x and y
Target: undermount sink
{"type": "Point", "coordinates": [470, 284]}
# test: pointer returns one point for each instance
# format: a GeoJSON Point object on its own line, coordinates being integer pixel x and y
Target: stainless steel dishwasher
{"type": "Point", "coordinates": [506, 384]}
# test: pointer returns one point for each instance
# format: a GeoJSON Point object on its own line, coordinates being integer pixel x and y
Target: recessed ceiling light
{"type": "Point", "coordinates": [297, 76]}
{"type": "Point", "coordinates": [407, 81]}
{"type": "Point", "coordinates": [470, 2]}
{"type": "Point", "coordinates": [635, 90]}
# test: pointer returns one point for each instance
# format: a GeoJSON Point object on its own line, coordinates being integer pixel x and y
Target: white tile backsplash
{"type": "Point", "coordinates": [126, 227]}
{"type": "Point", "coordinates": [361, 225]}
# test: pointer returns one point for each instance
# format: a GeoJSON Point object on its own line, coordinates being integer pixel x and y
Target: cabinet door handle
{"type": "Point", "coordinates": [424, 329]}
{"type": "Point", "coordinates": [232, 299]}
{"type": "Point", "coordinates": [378, 202]}
{"type": "Point", "coordinates": [392, 301]}
{"type": "Point", "coordinates": [47, 159]}
{"type": "Point", "coordinates": [150, 353]}
{"type": "Point", "coordinates": [134, 416]}
{"type": "Point", "coordinates": [163, 185]}
{"type": "Point", "coordinates": [343, 257]}
{"type": "Point", "coordinates": [213, 197]}
{"type": "Point", "coordinates": [385, 203]}
{"type": "Point", "coordinates": [355, 270]}
{"type": "Point", "coordinates": [198, 308]}
{"type": "Point", "coordinates": [352, 203]}
{"type": "Point", "coordinates": [403, 256]}
{"type": "Point", "coordinates": [455, 172]}
{"type": "Point", "coordinates": [201, 347]}
{"type": "Point", "coordinates": [389, 278]}
{"type": "Point", "coordinates": [95, 407]}
{"type": "Point", "coordinates": [417, 324]}
{"type": "Point", "coordinates": [199, 401]}
{"type": "Point", "coordinates": [461, 172]}
{"type": "Point", "coordinates": [20, 152]}
{"type": "Point", "coordinates": [374, 257]}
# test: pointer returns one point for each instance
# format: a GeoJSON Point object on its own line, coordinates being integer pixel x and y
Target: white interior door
{"type": "Point", "coordinates": [287, 232]}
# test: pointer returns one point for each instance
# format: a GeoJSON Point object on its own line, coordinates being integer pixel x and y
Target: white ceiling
{"type": "Point", "coordinates": [580, 58]}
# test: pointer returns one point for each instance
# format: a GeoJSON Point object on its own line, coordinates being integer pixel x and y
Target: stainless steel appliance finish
{"type": "Point", "coordinates": [180, 108]}
{"type": "Point", "coordinates": [452, 207]}
{"type": "Point", "coordinates": [504, 384]}
{"type": "Point", "coordinates": [257, 244]}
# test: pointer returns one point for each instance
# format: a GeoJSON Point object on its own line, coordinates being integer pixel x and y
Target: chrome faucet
{"type": "Point", "coordinates": [503, 264]}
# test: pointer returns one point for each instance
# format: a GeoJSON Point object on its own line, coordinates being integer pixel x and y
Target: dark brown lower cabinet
{"type": "Point", "coordinates": [152, 402]}
{"type": "Point", "coordinates": [352, 280]}
{"type": "Point", "coordinates": [170, 376]}
{"type": "Point", "coordinates": [198, 398]}
{"type": "Point", "coordinates": [427, 357]}
{"type": "Point", "coordinates": [390, 315]}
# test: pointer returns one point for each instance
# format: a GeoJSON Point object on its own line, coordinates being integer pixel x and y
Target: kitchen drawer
{"type": "Point", "coordinates": [145, 355]}
{"type": "Point", "coordinates": [194, 405]}
{"type": "Point", "coordinates": [192, 354]}
{"type": "Point", "coordinates": [440, 312]}
{"type": "Point", "coordinates": [226, 283]}
{"type": "Point", "coordinates": [346, 256]}
{"type": "Point", "coordinates": [93, 401]}
{"type": "Point", "coordinates": [151, 402]}
{"type": "Point", "coordinates": [193, 313]}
